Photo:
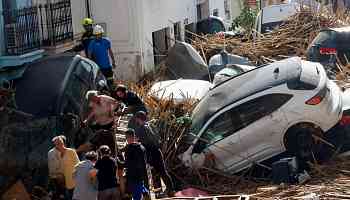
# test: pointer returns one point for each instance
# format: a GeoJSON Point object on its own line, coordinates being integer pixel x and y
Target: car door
{"type": "Point", "coordinates": [263, 121]}
{"type": "Point", "coordinates": [219, 138]}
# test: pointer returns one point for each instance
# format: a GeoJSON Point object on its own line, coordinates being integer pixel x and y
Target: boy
{"type": "Point", "coordinates": [106, 171]}
{"type": "Point", "coordinates": [136, 167]}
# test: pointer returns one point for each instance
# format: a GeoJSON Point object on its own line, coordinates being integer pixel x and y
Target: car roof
{"type": "Point", "coordinates": [39, 88]}
{"type": "Point", "coordinates": [244, 85]}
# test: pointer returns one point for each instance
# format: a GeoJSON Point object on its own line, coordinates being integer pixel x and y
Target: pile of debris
{"type": "Point", "coordinates": [330, 180]}
{"type": "Point", "coordinates": [290, 39]}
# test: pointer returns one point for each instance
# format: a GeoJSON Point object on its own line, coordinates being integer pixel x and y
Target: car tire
{"type": "Point", "coordinates": [299, 142]}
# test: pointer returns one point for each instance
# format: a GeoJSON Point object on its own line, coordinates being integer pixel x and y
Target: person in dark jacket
{"type": "Point", "coordinates": [106, 172]}
{"type": "Point", "coordinates": [136, 166]}
{"type": "Point", "coordinates": [129, 98]}
{"type": "Point", "coordinates": [151, 142]}
{"type": "Point", "coordinates": [87, 36]}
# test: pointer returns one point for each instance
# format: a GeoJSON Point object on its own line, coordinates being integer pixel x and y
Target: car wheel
{"type": "Point", "coordinates": [301, 142]}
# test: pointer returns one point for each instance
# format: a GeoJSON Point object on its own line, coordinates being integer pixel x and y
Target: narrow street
{"type": "Point", "coordinates": [161, 99]}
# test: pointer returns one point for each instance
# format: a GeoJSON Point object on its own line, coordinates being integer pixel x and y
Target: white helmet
{"type": "Point", "coordinates": [98, 30]}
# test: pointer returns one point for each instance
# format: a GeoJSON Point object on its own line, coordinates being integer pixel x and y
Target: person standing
{"type": "Point", "coordinates": [136, 166]}
{"type": "Point", "coordinates": [100, 51]}
{"type": "Point", "coordinates": [151, 142]}
{"type": "Point", "coordinates": [85, 188]}
{"type": "Point", "coordinates": [106, 173]}
{"type": "Point", "coordinates": [66, 160]}
{"type": "Point", "coordinates": [87, 36]}
{"type": "Point", "coordinates": [56, 171]}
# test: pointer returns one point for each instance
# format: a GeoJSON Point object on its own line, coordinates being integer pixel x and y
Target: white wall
{"type": "Point", "coordinates": [217, 4]}
{"type": "Point", "coordinates": [236, 8]}
{"type": "Point", "coordinates": [129, 25]}
{"type": "Point", "coordinates": [78, 14]}
{"type": "Point", "coordinates": [123, 25]}
{"type": "Point", "coordinates": [159, 14]}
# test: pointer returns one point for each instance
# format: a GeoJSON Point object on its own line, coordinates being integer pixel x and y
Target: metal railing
{"type": "Point", "coordinates": [56, 22]}
{"type": "Point", "coordinates": [28, 29]}
{"type": "Point", "coordinates": [21, 28]}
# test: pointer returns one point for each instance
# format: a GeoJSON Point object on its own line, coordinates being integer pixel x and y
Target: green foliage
{"type": "Point", "coordinates": [246, 19]}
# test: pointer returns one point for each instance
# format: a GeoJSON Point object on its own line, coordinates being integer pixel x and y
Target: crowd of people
{"type": "Point", "coordinates": [97, 169]}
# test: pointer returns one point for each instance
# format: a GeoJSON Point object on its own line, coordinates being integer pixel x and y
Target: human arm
{"type": "Point", "coordinates": [111, 54]}
{"type": "Point", "coordinates": [84, 147]}
{"type": "Point", "coordinates": [90, 116]}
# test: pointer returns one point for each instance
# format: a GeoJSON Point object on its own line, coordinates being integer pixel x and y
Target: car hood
{"type": "Point", "coordinates": [179, 90]}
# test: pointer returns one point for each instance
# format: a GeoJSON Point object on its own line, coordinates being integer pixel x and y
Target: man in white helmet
{"type": "Point", "coordinates": [99, 51]}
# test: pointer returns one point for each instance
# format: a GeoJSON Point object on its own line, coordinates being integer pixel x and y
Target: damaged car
{"type": "Point", "coordinates": [49, 100]}
{"type": "Point", "coordinates": [178, 90]}
{"type": "Point", "coordinates": [281, 107]}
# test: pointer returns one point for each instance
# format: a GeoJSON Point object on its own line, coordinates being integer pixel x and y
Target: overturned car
{"type": "Point", "coordinates": [281, 107]}
{"type": "Point", "coordinates": [50, 100]}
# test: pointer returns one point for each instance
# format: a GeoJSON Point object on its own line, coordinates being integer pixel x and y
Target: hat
{"type": "Point", "coordinates": [87, 21]}
{"type": "Point", "coordinates": [98, 30]}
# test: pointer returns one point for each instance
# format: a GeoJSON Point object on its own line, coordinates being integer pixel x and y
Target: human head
{"type": "Point", "coordinates": [59, 142]}
{"type": "Point", "coordinates": [91, 95]}
{"type": "Point", "coordinates": [141, 117]}
{"type": "Point", "coordinates": [120, 91]}
{"type": "Point", "coordinates": [91, 155]}
{"type": "Point", "coordinates": [88, 24]}
{"type": "Point", "coordinates": [104, 150]}
{"type": "Point", "coordinates": [130, 136]}
{"type": "Point", "coordinates": [98, 31]}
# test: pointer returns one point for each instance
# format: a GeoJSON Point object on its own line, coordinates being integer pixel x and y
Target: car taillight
{"type": "Point", "coordinates": [318, 97]}
{"type": "Point", "coordinates": [345, 120]}
{"type": "Point", "coordinates": [328, 51]}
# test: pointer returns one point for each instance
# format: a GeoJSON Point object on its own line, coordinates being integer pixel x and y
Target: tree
{"type": "Point", "coordinates": [246, 19]}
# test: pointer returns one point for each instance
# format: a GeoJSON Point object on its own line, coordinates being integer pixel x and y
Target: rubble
{"type": "Point", "coordinates": [291, 39]}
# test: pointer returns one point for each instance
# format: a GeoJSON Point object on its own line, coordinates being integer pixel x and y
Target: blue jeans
{"type": "Point", "coordinates": [137, 190]}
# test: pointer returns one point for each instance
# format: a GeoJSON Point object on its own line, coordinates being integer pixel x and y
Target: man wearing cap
{"type": "Point", "coordinates": [151, 142]}
{"type": "Point", "coordinates": [99, 51]}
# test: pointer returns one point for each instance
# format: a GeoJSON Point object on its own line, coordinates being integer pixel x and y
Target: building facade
{"type": "Point", "coordinates": [141, 32]}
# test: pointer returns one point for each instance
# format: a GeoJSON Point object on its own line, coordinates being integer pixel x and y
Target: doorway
{"type": "Point", "coordinates": [161, 44]}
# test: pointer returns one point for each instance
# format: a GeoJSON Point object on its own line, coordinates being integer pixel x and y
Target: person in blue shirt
{"type": "Point", "coordinates": [99, 51]}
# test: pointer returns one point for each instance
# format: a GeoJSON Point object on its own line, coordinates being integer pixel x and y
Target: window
{"type": "Point", "coordinates": [199, 12]}
{"type": "Point", "coordinates": [177, 31]}
{"type": "Point", "coordinates": [216, 12]}
{"type": "Point", "coordinates": [227, 10]}
{"type": "Point", "coordinates": [240, 117]}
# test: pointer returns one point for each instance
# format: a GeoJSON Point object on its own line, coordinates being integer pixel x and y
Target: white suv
{"type": "Point", "coordinates": [262, 113]}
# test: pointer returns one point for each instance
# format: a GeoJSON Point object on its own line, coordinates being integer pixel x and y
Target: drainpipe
{"type": "Point", "coordinates": [2, 30]}
{"type": "Point", "coordinates": [88, 11]}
